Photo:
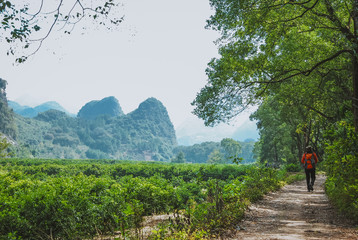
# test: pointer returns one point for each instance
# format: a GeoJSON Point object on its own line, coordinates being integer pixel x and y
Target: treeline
{"type": "Point", "coordinates": [82, 199]}
{"type": "Point", "coordinates": [226, 151]}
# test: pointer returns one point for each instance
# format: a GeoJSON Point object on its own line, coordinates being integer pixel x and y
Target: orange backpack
{"type": "Point", "coordinates": [309, 161]}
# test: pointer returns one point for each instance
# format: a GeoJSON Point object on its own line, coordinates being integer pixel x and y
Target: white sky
{"type": "Point", "coordinates": [161, 50]}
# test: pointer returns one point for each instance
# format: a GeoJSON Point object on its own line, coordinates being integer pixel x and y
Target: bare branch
{"type": "Point", "coordinates": [38, 12]}
{"type": "Point", "coordinates": [67, 17]}
{"type": "Point", "coordinates": [52, 25]}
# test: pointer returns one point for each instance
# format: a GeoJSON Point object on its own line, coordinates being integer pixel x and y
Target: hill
{"type": "Point", "coordinates": [30, 112]}
{"type": "Point", "coordinates": [107, 106]}
{"type": "Point", "coordinates": [102, 130]}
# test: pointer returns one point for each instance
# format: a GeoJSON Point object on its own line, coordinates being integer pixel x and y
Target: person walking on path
{"type": "Point", "coordinates": [309, 161]}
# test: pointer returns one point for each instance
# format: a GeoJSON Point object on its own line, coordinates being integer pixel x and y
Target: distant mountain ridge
{"type": "Point", "coordinates": [32, 112]}
{"type": "Point", "coordinates": [107, 106]}
{"type": "Point", "coordinates": [102, 131]}
{"type": "Point", "coordinates": [188, 133]}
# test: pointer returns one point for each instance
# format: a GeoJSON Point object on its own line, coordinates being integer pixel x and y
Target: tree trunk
{"type": "Point", "coordinates": [299, 146]}
{"type": "Point", "coordinates": [355, 92]}
{"type": "Point", "coordinates": [355, 66]}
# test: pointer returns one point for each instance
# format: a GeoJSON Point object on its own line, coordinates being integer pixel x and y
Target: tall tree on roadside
{"type": "Point", "coordinates": [279, 142]}
{"type": "Point", "coordinates": [269, 43]}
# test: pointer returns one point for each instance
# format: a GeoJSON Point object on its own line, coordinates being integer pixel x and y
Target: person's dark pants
{"type": "Point", "coordinates": [310, 177]}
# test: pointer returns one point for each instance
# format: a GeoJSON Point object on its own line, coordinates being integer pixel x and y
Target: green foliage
{"type": "Point", "coordinates": [76, 199]}
{"type": "Point", "coordinates": [270, 44]}
{"type": "Point", "coordinates": [199, 153]}
{"type": "Point", "coordinates": [247, 152]}
{"type": "Point", "coordinates": [226, 202]}
{"type": "Point", "coordinates": [279, 141]}
{"type": "Point", "coordinates": [7, 125]}
{"type": "Point", "coordinates": [231, 149]}
{"type": "Point", "coordinates": [63, 207]}
{"type": "Point", "coordinates": [216, 157]}
{"type": "Point", "coordinates": [179, 158]}
{"type": "Point", "coordinates": [297, 61]}
{"type": "Point", "coordinates": [4, 146]}
{"type": "Point", "coordinates": [293, 167]}
{"type": "Point", "coordinates": [341, 166]}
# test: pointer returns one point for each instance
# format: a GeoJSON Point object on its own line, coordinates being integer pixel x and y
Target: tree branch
{"type": "Point", "coordinates": [304, 73]}
{"type": "Point", "coordinates": [307, 9]}
{"type": "Point", "coordinates": [334, 19]}
{"type": "Point", "coordinates": [38, 12]}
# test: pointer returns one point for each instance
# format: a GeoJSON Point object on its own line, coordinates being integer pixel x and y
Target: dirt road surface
{"type": "Point", "coordinates": [294, 213]}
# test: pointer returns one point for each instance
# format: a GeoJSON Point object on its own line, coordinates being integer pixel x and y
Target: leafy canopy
{"type": "Point", "coordinates": [269, 43]}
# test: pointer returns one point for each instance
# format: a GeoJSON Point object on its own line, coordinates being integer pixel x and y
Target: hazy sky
{"type": "Point", "coordinates": [161, 50]}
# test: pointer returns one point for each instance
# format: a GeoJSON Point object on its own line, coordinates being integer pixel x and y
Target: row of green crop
{"type": "Point", "coordinates": [118, 169]}
{"type": "Point", "coordinates": [84, 206]}
{"type": "Point", "coordinates": [36, 205]}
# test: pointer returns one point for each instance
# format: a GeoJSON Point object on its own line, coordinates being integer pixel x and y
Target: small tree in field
{"type": "Point", "coordinates": [4, 144]}
{"type": "Point", "coordinates": [179, 158]}
{"type": "Point", "coordinates": [216, 157]}
{"type": "Point", "coordinates": [231, 149]}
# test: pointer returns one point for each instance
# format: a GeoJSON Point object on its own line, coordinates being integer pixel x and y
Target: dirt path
{"type": "Point", "coordinates": [294, 213]}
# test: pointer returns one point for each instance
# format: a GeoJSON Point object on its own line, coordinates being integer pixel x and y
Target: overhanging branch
{"type": "Point", "coordinates": [306, 72]}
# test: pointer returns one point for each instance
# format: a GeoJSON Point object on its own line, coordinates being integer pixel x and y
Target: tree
{"type": "Point", "coordinates": [298, 61]}
{"type": "Point", "coordinates": [280, 42]}
{"type": "Point", "coordinates": [231, 149]}
{"type": "Point", "coordinates": [7, 124]}
{"type": "Point", "coordinates": [279, 141]}
{"type": "Point", "coordinates": [179, 158]}
{"type": "Point", "coordinates": [4, 145]}
{"type": "Point", "coordinates": [216, 157]}
{"type": "Point", "coordinates": [25, 25]}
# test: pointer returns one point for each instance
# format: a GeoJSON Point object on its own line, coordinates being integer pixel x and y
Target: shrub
{"type": "Point", "coordinates": [341, 165]}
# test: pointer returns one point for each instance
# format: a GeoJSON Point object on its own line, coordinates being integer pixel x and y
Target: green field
{"type": "Point", "coordinates": [82, 199]}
